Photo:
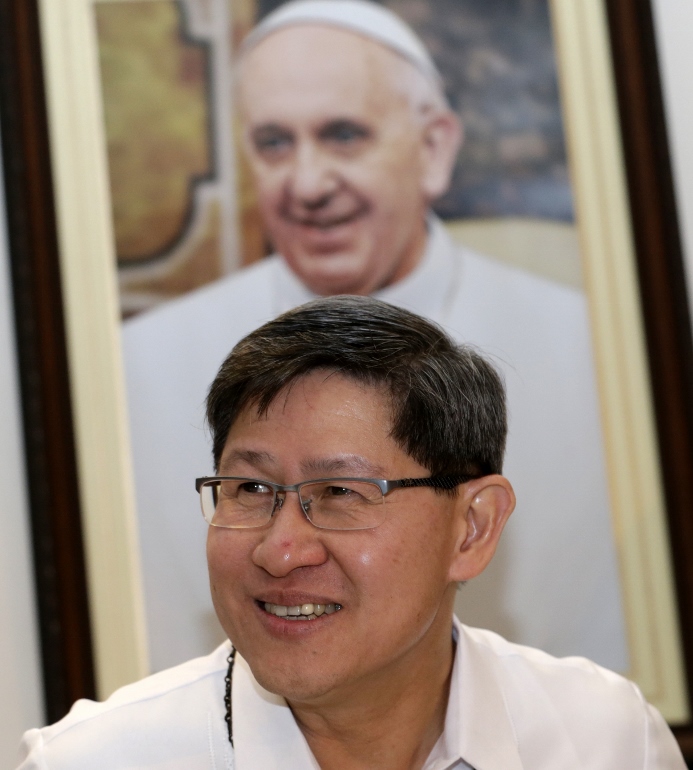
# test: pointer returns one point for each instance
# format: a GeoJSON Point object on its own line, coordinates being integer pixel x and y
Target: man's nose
{"type": "Point", "coordinates": [291, 541]}
{"type": "Point", "coordinates": [314, 179]}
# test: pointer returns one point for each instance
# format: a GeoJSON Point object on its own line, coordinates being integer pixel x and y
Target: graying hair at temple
{"type": "Point", "coordinates": [448, 401]}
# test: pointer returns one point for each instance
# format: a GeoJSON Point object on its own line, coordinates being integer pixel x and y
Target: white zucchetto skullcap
{"type": "Point", "coordinates": [360, 16]}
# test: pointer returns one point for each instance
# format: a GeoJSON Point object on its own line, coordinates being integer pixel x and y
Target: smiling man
{"type": "Point", "coordinates": [358, 455]}
{"type": "Point", "coordinates": [350, 139]}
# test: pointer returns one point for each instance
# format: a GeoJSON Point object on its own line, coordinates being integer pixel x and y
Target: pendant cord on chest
{"type": "Point", "coordinates": [227, 696]}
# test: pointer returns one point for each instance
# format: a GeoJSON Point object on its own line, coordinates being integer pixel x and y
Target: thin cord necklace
{"type": "Point", "coordinates": [227, 680]}
{"type": "Point", "coordinates": [227, 697]}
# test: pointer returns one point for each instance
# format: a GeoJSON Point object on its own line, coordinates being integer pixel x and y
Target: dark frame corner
{"type": "Point", "coordinates": [663, 292]}
{"type": "Point", "coordinates": [58, 553]}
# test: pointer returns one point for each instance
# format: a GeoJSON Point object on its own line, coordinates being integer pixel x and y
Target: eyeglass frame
{"type": "Point", "coordinates": [386, 486]}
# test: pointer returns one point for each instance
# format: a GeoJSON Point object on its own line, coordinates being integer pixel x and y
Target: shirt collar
{"type": "Point", "coordinates": [426, 290]}
{"type": "Point", "coordinates": [265, 733]}
{"type": "Point", "coordinates": [477, 721]}
{"type": "Point", "coordinates": [477, 728]}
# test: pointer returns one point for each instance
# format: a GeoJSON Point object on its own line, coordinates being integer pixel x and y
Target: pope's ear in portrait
{"type": "Point", "coordinates": [442, 138]}
{"type": "Point", "coordinates": [483, 507]}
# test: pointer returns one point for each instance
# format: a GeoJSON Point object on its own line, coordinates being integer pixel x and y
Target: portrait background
{"type": "Point", "coordinates": [85, 240]}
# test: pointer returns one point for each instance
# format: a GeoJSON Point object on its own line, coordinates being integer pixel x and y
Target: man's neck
{"type": "Point", "coordinates": [410, 259]}
{"type": "Point", "coordinates": [391, 723]}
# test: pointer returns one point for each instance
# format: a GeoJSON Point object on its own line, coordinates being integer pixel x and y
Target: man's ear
{"type": "Point", "coordinates": [441, 140]}
{"type": "Point", "coordinates": [484, 506]}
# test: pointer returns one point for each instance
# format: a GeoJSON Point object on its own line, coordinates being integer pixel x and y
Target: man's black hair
{"type": "Point", "coordinates": [447, 400]}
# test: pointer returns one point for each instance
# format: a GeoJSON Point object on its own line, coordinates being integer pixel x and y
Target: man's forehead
{"type": "Point", "coordinates": [321, 388]}
{"type": "Point", "coordinates": [309, 56]}
{"type": "Point", "coordinates": [328, 400]}
{"type": "Point", "coordinates": [364, 17]}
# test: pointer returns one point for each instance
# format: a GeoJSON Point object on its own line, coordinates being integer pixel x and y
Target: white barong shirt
{"type": "Point", "coordinates": [509, 708]}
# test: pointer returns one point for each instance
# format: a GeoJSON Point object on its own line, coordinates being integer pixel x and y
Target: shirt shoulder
{"type": "Point", "coordinates": [600, 715]}
{"type": "Point", "coordinates": [169, 720]}
{"type": "Point", "coordinates": [545, 250]}
{"type": "Point", "coordinates": [523, 319]}
{"type": "Point", "coordinates": [187, 338]}
{"type": "Point", "coordinates": [480, 270]}
{"type": "Point", "coordinates": [246, 292]}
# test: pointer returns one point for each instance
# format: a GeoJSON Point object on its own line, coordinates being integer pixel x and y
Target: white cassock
{"type": "Point", "coordinates": [554, 581]}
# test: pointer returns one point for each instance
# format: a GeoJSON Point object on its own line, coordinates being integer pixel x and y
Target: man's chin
{"type": "Point", "coordinates": [331, 274]}
{"type": "Point", "coordinates": [329, 287]}
{"type": "Point", "coordinates": [299, 685]}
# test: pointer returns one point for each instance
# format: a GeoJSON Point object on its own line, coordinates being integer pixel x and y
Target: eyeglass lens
{"type": "Point", "coordinates": [329, 504]}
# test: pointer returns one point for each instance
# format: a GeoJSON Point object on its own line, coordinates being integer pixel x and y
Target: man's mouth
{"type": "Point", "coordinates": [300, 612]}
{"type": "Point", "coordinates": [325, 219]}
{"type": "Point", "coordinates": [325, 223]}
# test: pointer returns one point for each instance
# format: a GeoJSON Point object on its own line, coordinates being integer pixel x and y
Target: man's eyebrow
{"type": "Point", "coordinates": [350, 465]}
{"type": "Point", "coordinates": [338, 126]}
{"type": "Point", "coordinates": [248, 456]}
{"type": "Point", "coordinates": [265, 131]}
{"type": "Point", "coordinates": [270, 126]}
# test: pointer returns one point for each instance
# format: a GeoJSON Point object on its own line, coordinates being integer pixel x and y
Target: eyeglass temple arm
{"type": "Point", "coordinates": [437, 482]}
{"type": "Point", "coordinates": [199, 482]}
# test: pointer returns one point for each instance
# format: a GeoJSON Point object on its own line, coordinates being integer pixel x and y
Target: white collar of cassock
{"type": "Point", "coordinates": [477, 729]}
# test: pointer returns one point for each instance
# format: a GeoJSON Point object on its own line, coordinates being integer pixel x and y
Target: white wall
{"type": "Point", "coordinates": [674, 26]}
{"type": "Point", "coordinates": [20, 684]}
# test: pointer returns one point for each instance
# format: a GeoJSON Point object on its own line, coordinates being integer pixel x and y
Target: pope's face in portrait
{"type": "Point", "coordinates": [347, 152]}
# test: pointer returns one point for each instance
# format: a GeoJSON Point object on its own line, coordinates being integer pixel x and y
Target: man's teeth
{"type": "Point", "coordinates": [303, 611]}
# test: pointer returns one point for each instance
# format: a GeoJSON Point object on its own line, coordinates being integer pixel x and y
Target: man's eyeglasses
{"type": "Point", "coordinates": [344, 503]}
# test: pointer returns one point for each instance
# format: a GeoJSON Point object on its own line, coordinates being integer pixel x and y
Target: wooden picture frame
{"type": "Point", "coordinates": [662, 285]}
{"type": "Point", "coordinates": [643, 340]}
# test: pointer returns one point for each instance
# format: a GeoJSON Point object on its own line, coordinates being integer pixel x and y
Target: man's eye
{"type": "Point", "coordinates": [344, 132]}
{"type": "Point", "coordinates": [338, 491]}
{"type": "Point", "coordinates": [271, 141]}
{"type": "Point", "coordinates": [254, 488]}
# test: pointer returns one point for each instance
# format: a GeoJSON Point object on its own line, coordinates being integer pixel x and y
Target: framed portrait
{"type": "Point", "coordinates": [153, 201]}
